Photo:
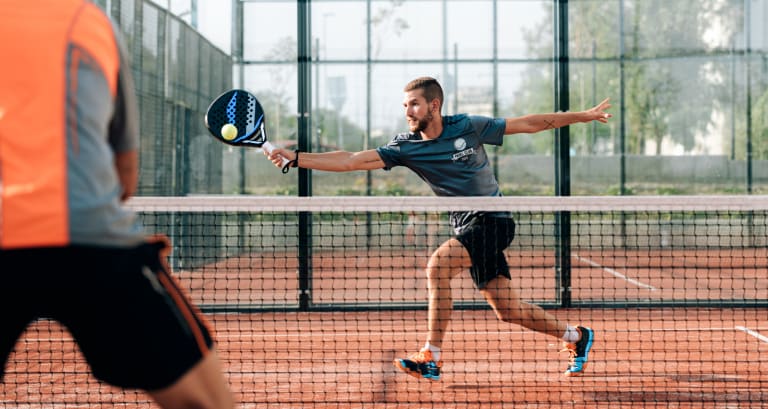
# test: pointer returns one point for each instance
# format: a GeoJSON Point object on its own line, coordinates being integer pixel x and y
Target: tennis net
{"type": "Point", "coordinates": [313, 298]}
{"type": "Point", "coordinates": [368, 252]}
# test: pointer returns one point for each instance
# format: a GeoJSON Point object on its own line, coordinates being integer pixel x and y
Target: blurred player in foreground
{"type": "Point", "coordinates": [448, 154]}
{"type": "Point", "coordinates": [69, 250]}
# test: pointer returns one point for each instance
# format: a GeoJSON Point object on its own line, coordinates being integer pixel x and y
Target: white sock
{"type": "Point", "coordinates": [435, 351]}
{"type": "Point", "coordinates": [572, 335]}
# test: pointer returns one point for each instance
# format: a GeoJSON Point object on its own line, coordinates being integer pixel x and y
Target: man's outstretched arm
{"type": "Point", "coordinates": [338, 161]}
{"type": "Point", "coordinates": [541, 122]}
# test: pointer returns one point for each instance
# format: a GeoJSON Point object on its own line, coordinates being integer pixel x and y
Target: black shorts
{"type": "Point", "coordinates": [485, 240]}
{"type": "Point", "coordinates": [134, 325]}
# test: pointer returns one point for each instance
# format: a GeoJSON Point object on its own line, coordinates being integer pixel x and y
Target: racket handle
{"type": "Point", "coordinates": [269, 148]}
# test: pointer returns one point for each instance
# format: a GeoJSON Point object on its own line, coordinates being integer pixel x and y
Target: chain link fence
{"type": "Point", "coordinates": [177, 73]}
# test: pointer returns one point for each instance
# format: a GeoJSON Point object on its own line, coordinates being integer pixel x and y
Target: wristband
{"type": "Point", "coordinates": [292, 164]}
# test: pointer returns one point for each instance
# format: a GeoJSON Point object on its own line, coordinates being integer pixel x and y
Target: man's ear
{"type": "Point", "coordinates": [435, 105]}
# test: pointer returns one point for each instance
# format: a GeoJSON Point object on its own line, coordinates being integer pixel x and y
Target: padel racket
{"type": "Point", "coordinates": [236, 118]}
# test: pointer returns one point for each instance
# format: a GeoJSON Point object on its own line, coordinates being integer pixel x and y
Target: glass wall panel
{"type": "Point", "coordinates": [525, 29]}
{"type": "Point", "coordinates": [469, 29]}
{"type": "Point", "coordinates": [339, 30]}
{"type": "Point", "coordinates": [339, 122]}
{"type": "Point", "coordinates": [474, 89]}
{"type": "Point", "coordinates": [594, 29]}
{"type": "Point", "coordinates": [269, 31]}
{"type": "Point", "coordinates": [339, 101]}
{"type": "Point", "coordinates": [594, 162]}
{"type": "Point", "coordinates": [657, 28]}
{"type": "Point", "coordinates": [693, 74]}
{"type": "Point", "coordinates": [388, 119]}
{"type": "Point", "coordinates": [274, 86]}
{"type": "Point", "coordinates": [410, 30]}
{"type": "Point", "coordinates": [686, 95]}
{"type": "Point", "coordinates": [758, 73]}
{"type": "Point", "coordinates": [525, 163]}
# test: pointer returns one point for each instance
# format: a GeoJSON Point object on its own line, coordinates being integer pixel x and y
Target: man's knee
{"type": "Point", "coordinates": [448, 260]}
{"type": "Point", "coordinates": [202, 387]}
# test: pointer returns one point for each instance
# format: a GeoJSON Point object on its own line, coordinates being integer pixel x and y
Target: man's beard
{"type": "Point", "coordinates": [422, 123]}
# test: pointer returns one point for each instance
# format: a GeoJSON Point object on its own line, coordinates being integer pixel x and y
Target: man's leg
{"type": "Point", "coordinates": [202, 387]}
{"type": "Point", "coordinates": [445, 263]}
{"type": "Point", "coordinates": [508, 306]}
{"type": "Point", "coordinates": [506, 303]}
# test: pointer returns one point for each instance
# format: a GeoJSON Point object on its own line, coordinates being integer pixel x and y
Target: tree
{"type": "Point", "coordinates": [760, 127]}
{"type": "Point", "coordinates": [671, 92]}
{"type": "Point", "coordinates": [387, 23]}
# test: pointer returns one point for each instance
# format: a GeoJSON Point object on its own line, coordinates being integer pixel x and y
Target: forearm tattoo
{"type": "Point", "coordinates": [549, 124]}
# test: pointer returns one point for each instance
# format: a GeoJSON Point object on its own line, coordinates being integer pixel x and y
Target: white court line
{"type": "Point", "coordinates": [616, 273]}
{"type": "Point", "coordinates": [754, 333]}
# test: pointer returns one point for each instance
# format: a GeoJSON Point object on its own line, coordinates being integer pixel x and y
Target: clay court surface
{"type": "Point", "coordinates": [642, 358]}
{"type": "Point", "coordinates": [672, 357]}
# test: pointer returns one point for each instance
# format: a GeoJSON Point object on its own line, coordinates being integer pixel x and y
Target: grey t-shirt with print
{"type": "Point", "coordinates": [455, 163]}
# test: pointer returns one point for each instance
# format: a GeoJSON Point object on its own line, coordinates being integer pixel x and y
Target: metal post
{"type": "Point", "coordinates": [733, 99]}
{"type": "Point", "coordinates": [748, 85]}
{"type": "Point", "coordinates": [237, 59]}
{"type": "Point", "coordinates": [193, 14]}
{"type": "Point", "coordinates": [562, 155]}
{"type": "Point", "coordinates": [369, 108]}
{"type": "Point", "coordinates": [592, 146]}
{"type": "Point", "coordinates": [495, 31]}
{"type": "Point", "coordinates": [622, 106]}
{"type": "Point", "coordinates": [304, 138]}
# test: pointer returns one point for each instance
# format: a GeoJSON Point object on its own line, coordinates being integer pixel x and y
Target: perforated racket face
{"type": "Point", "coordinates": [241, 109]}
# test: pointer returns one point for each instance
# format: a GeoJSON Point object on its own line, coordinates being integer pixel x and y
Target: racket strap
{"type": "Point", "coordinates": [292, 164]}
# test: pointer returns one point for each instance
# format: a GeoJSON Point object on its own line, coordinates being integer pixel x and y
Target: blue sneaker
{"type": "Point", "coordinates": [579, 352]}
{"type": "Point", "coordinates": [420, 365]}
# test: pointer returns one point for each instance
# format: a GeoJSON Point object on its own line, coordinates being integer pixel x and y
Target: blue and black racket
{"type": "Point", "coordinates": [236, 118]}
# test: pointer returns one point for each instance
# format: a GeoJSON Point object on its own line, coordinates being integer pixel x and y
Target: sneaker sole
{"type": "Point", "coordinates": [416, 374]}
{"type": "Point", "coordinates": [581, 372]}
{"type": "Point", "coordinates": [399, 365]}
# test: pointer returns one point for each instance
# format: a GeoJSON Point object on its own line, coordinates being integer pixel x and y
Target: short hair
{"type": "Point", "coordinates": [428, 86]}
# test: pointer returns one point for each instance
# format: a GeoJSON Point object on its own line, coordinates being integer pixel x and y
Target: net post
{"type": "Point", "coordinates": [305, 260]}
{"type": "Point", "coordinates": [563, 257]}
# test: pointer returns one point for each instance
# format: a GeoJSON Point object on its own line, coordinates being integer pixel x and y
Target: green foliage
{"type": "Point", "coordinates": [671, 93]}
{"type": "Point", "coordinates": [292, 190]}
{"type": "Point", "coordinates": [391, 189]}
{"type": "Point", "coordinates": [615, 190]}
{"type": "Point", "coordinates": [349, 192]}
{"type": "Point", "coordinates": [669, 190]}
{"type": "Point", "coordinates": [759, 130]}
{"type": "Point", "coordinates": [760, 127]}
{"type": "Point", "coordinates": [527, 190]}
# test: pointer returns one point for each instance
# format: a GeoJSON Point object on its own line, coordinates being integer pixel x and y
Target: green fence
{"type": "Point", "coordinates": [177, 73]}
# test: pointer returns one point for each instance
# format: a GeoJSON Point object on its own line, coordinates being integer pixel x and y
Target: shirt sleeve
{"type": "Point", "coordinates": [490, 130]}
{"type": "Point", "coordinates": [124, 126]}
{"type": "Point", "coordinates": [390, 155]}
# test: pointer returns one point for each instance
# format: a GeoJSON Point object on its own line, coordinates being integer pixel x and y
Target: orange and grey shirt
{"type": "Point", "coordinates": [67, 105]}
